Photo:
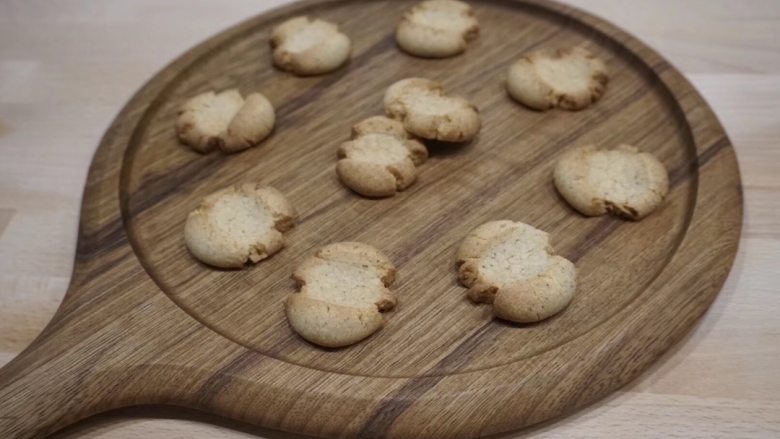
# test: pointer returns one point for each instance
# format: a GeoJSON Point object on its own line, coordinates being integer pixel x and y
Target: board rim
{"type": "Point", "coordinates": [111, 147]}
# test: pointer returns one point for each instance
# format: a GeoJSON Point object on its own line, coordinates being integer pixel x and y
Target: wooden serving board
{"type": "Point", "coordinates": [145, 323]}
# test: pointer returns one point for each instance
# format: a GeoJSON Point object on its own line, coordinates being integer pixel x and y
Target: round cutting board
{"type": "Point", "coordinates": [145, 323]}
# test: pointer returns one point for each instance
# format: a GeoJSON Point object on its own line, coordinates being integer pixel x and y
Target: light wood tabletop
{"type": "Point", "coordinates": [67, 68]}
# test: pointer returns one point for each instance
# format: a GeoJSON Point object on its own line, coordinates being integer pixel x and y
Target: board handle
{"type": "Point", "coordinates": [49, 385]}
{"type": "Point", "coordinates": [107, 346]}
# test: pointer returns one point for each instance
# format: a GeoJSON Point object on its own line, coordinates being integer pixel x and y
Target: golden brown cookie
{"type": "Point", "coordinates": [380, 159]}
{"type": "Point", "coordinates": [622, 181]}
{"type": "Point", "coordinates": [511, 265]}
{"type": "Point", "coordinates": [425, 111]}
{"type": "Point", "coordinates": [309, 47]}
{"type": "Point", "coordinates": [437, 29]}
{"type": "Point", "coordinates": [225, 120]}
{"type": "Point", "coordinates": [343, 291]}
{"type": "Point", "coordinates": [570, 79]}
{"type": "Point", "coordinates": [239, 224]}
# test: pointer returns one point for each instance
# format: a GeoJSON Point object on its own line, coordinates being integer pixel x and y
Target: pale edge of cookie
{"type": "Point", "coordinates": [526, 301]}
{"type": "Point", "coordinates": [211, 241]}
{"type": "Point", "coordinates": [366, 165]}
{"type": "Point", "coordinates": [225, 121]}
{"type": "Point", "coordinates": [336, 325]}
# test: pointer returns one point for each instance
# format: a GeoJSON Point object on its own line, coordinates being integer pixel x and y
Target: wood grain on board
{"type": "Point", "coordinates": [144, 323]}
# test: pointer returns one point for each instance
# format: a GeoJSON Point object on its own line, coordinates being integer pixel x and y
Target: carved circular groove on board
{"type": "Point", "coordinates": [218, 341]}
{"type": "Point", "coordinates": [504, 174]}
{"type": "Point", "coordinates": [246, 307]}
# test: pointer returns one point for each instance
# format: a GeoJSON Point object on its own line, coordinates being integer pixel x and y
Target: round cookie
{"type": "Point", "coordinates": [511, 265]}
{"type": "Point", "coordinates": [239, 224]}
{"type": "Point", "coordinates": [425, 111]}
{"type": "Point", "coordinates": [437, 29]}
{"type": "Point", "coordinates": [380, 159]}
{"type": "Point", "coordinates": [225, 120]}
{"type": "Point", "coordinates": [570, 79]}
{"type": "Point", "coordinates": [623, 181]}
{"type": "Point", "coordinates": [309, 47]}
{"type": "Point", "coordinates": [343, 291]}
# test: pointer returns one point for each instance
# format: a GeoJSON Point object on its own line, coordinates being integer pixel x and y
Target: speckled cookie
{"type": "Point", "coordinates": [437, 29]}
{"type": "Point", "coordinates": [239, 224]}
{"type": "Point", "coordinates": [309, 47]}
{"type": "Point", "coordinates": [380, 159]}
{"type": "Point", "coordinates": [343, 292]}
{"type": "Point", "coordinates": [623, 181]}
{"type": "Point", "coordinates": [570, 79]}
{"type": "Point", "coordinates": [511, 265]}
{"type": "Point", "coordinates": [225, 120]}
{"type": "Point", "coordinates": [425, 111]}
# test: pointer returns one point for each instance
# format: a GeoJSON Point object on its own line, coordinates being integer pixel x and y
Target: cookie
{"type": "Point", "coordinates": [380, 159]}
{"type": "Point", "coordinates": [225, 120]}
{"type": "Point", "coordinates": [623, 181]}
{"type": "Point", "coordinates": [425, 111]}
{"type": "Point", "coordinates": [437, 29]}
{"type": "Point", "coordinates": [343, 292]}
{"type": "Point", "coordinates": [570, 79]}
{"type": "Point", "coordinates": [239, 224]}
{"type": "Point", "coordinates": [511, 265]}
{"type": "Point", "coordinates": [309, 47]}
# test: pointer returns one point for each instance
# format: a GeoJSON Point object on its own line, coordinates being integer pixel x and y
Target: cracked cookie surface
{"type": "Point", "coordinates": [225, 121]}
{"type": "Point", "coordinates": [437, 29]}
{"type": "Point", "coordinates": [511, 265]}
{"type": "Point", "coordinates": [425, 111]}
{"type": "Point", "coordinates": [570, 79]}
{"type": "Point", "coordinates": [343, 293]}
{"type": "Point", "coordinates": [381, 158]}
{"type": "Point", "coordinates": [623, 181]}
{"type": "Point", "coordinates": [237, 225]}
{"type": "Point", "coordinates": [309, 47]}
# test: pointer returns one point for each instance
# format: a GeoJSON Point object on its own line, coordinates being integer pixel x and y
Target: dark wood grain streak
{"type": "Point", "coordinates": [218, 381]}
{"type": "Point", "coordinates": [393, 405]}
{"type": "Point", "coordinates": [144, 323]}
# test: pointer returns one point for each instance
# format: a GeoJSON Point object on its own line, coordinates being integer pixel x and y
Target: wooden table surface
{"type": "Point", "coordinates": [66, 68]}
